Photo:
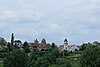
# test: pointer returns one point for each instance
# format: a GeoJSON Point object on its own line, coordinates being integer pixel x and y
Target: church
{"type": "Point", "coordinates": [64, 46]}
{"type": "Point", "coordinates": [68, 47]}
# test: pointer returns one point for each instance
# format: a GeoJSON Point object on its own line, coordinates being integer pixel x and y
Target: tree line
{"type": "Point", "coordinates": [89, 56]}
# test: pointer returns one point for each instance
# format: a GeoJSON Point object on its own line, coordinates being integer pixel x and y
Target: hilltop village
{"type": "Point", "coordinates": [43, 54]}
{"type": "Point", "coordinates": [43, 45]}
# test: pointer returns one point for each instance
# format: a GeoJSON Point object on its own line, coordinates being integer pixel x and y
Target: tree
{"type": "Point", "coordinates": [43, 59]}
{"type": "Point", "coordinates": [62, 62]}
{"type": "Point", "coordinates": [42, 62]}
{"type": "Point", "coordinates": [26, 47]}
{"type": "Point", "coordinates": [68, 64]}
{"type": "Point", "coordinates": [90, 57]}
{"type": "Point", "coordinates": [53, 55]}
{"type": "Point", "coordinates": [53, 45]}
{"type": "Point", "coordinates": [3, 50]}
{"type": "Point", "coordinates": [9, 46]}
{"type": "Point", "coordinates": [12, 39]}
{"type": "Point", "coordinates": [33, 58]}
{"type": "Point", "coordinates": [83, 47]}
{"type": "Point", "coordinates": [66, 53]}
{"type": "Point", "coordinates": [3, 42]}
{"type": "Point", "coordinates": [32, 63]}
{"type": "Point", "coordinates": [16, 58]}
{"type": "Point", "coordinates": [43, 41]}
{"type": "Point", "coordinates": [18, 44]}
{"type": "Point", "coordinates": [36, 42]}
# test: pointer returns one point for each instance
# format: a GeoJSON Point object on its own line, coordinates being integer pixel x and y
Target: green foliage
{"type": "Point", "coordinates": [16, 58]}
{"type": "Point", "coordinates": [17, 44]}
{"type": "Point", "coordinates": [52, 65]}
{"type": "Point", "coordinates": [62, 62]}
{"type": "Point", "coordinates": [90, 57]}
{"type": "Point", "coordinates": [53, 45]}
{"type": "Point", "coordinates": [1, 65]}
{"type": "Point", "coordinates": [3, 42]}
{"type": "Point", "coordinates": [9, 46]}
{"type": "Point", "coordinates": [12, 39]}
{"type": "Point", "coordinates": [76, 52]}
{"type": "Point", "coordinates": [26, 47]}
{"type": "Point", "coordinates": [83, 47]}
{"type": "Point", "coordinates": [68, 57]}
{"type": "Point", "coordinates": [42, 62]}
{"type": "Point", "coordinates": [33, 58]}
{"type": "Point", "coordinates": [3, 53]}
{"type": "Point", "coordinates": [43, 41]}
{"type": "Point", "coordinates": [66, 53]}
{"type": "Point", "coordinates": [36, 42]}
{"type": "Point", "coordinates": [75, 63]}
{"type": "Point", "coordinates": [43, 58]}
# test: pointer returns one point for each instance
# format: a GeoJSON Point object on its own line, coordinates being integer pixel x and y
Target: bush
{"type": "Point", "coordinates": [90, 57]}
{"type": "Point", "coordinates": [16, 58]}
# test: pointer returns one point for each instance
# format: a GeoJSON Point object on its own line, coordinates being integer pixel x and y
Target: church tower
{"type": "Point", "coordinates": [65, 44]}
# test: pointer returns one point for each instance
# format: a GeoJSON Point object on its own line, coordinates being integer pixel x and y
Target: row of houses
{"type": "Point", "coordinates": [65, 46]}
{"type": "Point", "coordinates": [70, 47]}
{"type": "Point", "coordinates": [34, 45]}
{"type": "Point", "coordinates": [45, 46]}
{"type": "Point", "coordinates": [40, 46]}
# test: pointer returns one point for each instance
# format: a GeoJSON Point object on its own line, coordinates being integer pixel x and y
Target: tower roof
{"type": "Point", "coordinates": [65, 41]}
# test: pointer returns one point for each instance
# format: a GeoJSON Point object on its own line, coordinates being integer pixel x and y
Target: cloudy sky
{"type": "Point", "coordinates": [54, 20]}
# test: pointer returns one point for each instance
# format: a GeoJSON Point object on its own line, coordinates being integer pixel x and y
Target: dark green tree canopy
{"type": "Point", "coordinates": [36, 42]}
{"type": "Point", "coordinates": [53, 45]}
{"type": "Point", "coordinates": [83, 47]}
{"type": "Point", "coordinates": [25, 44]}
{"type": "Point", "coordinates": [12, 39]}
{"type": "Point", "coordinates": [26, 47]}
{"type": "Point", "coordinates": [90, 57]}
{"type": "Point", "coordinates": [16, 58]}
{"type": "Point", "coordinates": [9, 46]}
{"type": "Point", "coordinates": [18, 44]}
{"type": "Point", "coordinates": [43, 41]}
{"type": "Point", "coordinates": [3, 42]}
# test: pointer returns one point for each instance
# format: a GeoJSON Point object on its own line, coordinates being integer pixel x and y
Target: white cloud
{"type": "Point", "coordinates": [51, 19]}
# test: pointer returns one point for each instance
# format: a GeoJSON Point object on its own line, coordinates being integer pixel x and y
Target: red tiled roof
{"type": "Point", "coordinates": [30, 44]}
{"type": "Point", "coordinates": [61, 46]}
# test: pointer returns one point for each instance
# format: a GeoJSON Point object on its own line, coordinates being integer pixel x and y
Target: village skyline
{"type": "Point", "coordinates": [62, 42]}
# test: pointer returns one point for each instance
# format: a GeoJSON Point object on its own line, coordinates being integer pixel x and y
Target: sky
{"type": "Point", "coordinates": [54, 20]}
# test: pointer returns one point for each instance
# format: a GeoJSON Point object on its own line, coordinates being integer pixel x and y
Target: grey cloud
{"type": "Point", "coordinates": [51, 19]}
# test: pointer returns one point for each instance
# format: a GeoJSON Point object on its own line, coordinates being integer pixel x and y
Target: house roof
{"type": "Point", "coordinates": [39, 45]}
{"type": "Point", "coordinates": [61, 46]}
{"type": "Point", "coordinates": [30, 44]}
